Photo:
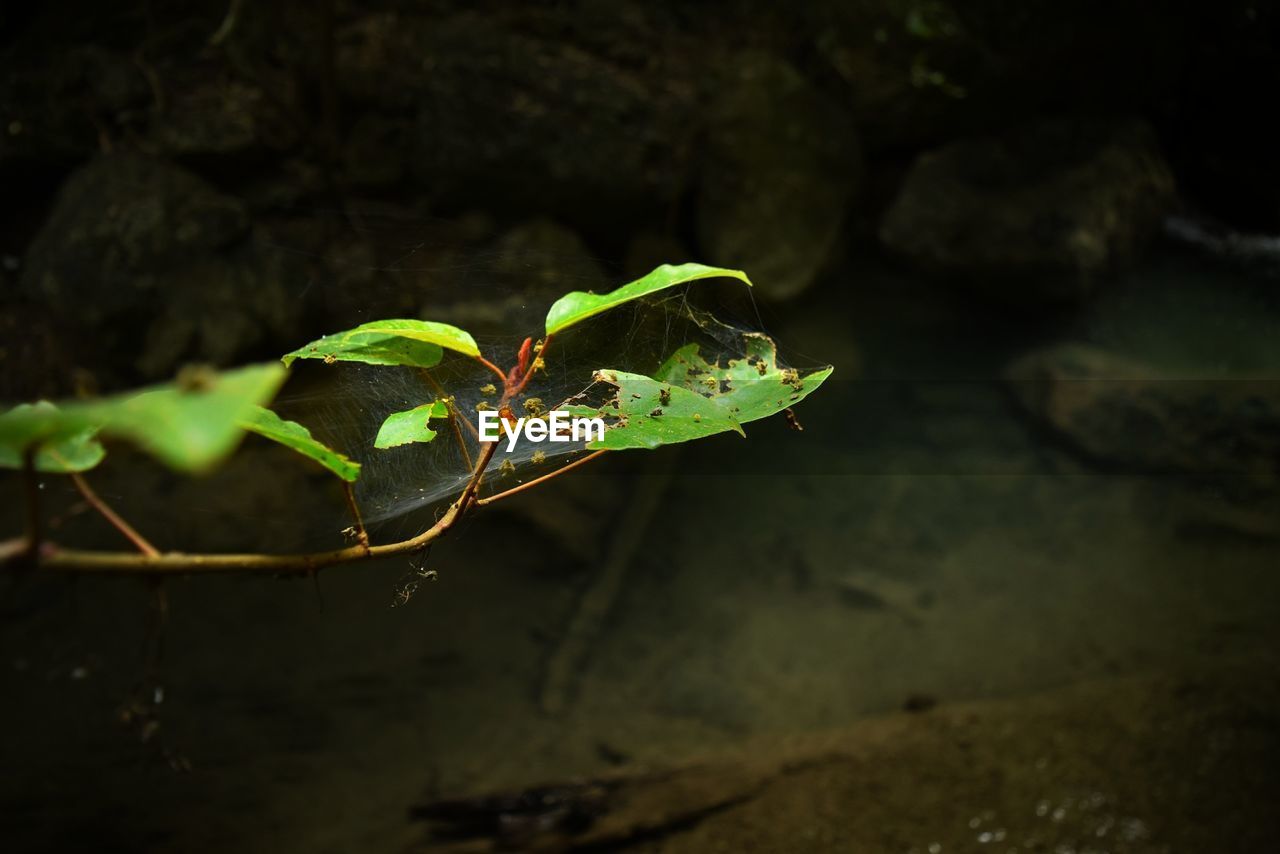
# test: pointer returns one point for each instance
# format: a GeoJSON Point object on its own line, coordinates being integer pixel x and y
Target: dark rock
{"type": "Point", "coordinates": [1221, 436]}
{"type": "Point", "coordinates": [211, 114]}
{"type": "Point", "coordinates": [781, 164]}
{"type": "Point", "coordinates": [158, 264]}
{"type": "Point", "coordinates": [1043, 212]}
{"type": "Point", "coordinates": [543, 257]}
{"type": "Point", "coordinates": [375, 152]}
{"type": "Point", "coordinates": [906, 75]}
{"type": "Point", "coordinates": [581, 111]}
{"type": "Point", "coordinates": [648, 250]}
{"type": "Point", "coordinates": [33, 348]}
{"type": "Point", "coordinates": [61, 107]}
{"type": "Point", "coordinates": [223, 308]}
{"type": "Point", "coordinates": [915, 74]}
{"type": "Point", "coordinates": [116, 224]}
{"type": "Point", "coordinates": [508, 283]}
{"type": "Point", "coordinates": [1130, 414]}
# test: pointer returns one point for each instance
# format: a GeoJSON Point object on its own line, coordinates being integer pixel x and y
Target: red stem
{"type": "Point", "coordinates": [491, 366]}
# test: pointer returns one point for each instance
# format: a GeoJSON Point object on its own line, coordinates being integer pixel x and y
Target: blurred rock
{"type": "Point", "coordinates": [224, 308]}
{"type": "Point", "coordinates": [505, 286]}
{"type": "Point", "coordinates": [375, 152]}
{"type": "Point", "coordinates": [157, 264]}
{"type": "Point", "coordinates": [37, 361]}
{"type": "Point", "coordinates": [544, 257]}
{"type": "Point", "coordinates": [649, 250]}
{"type": "Point", "coordinates": [1042, 212]}
{"type": "Point", "coordinates": [906, 69]}
{"type": "Point", "coordinates": [920, 72]}
{"type": "Point", "coordinates": [1221, 436]}
{"type": "Point", "coordinates": [60, 106]}
{"type": "Point", "coordinates": [781, 164]}
{"type": "Point", "coordinates": [583, 111]}
{"type": "Point", "coordinates": [210, 115]}
{"type": "Point", "coordinates": [119, 221]}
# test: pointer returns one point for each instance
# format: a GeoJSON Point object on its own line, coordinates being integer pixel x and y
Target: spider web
{"type": "Point", "coordinates": [499, 291]}
{"type": "Point", "coordinates": [345, 404]}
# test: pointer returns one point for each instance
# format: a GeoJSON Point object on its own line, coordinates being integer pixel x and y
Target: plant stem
{"type": "Point", "coordinates": [362, 536]}
{"type": "Point", "coordinates": [455, 415]}
{"type": "Point", "coordinates": [491, 366]}
{"type": "Point", "coordinates": [540, 480]}
{"type": "Point", "coordinates": [524, 381]}
{"type": "Point", "coordinates": [117, 521]}
{"type": "Point", "coordinates": [70, 560]}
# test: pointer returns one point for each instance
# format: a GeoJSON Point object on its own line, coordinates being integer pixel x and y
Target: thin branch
{"type": "Point", "coordinates": [455, 415]}
{"type": "Point", "coordinates": [491, 366]}
{"type": "Point", "coordinates": [362, 536]}
{"type": "Point", "coordinates": [151, 561]}
{"type": "Point", "coordinates": [471, 428]}
{"type": "Point", "coordinates": [117, 521]}
{"type": "Point", "coordinates": [454, 418]}
{"type": "Point", "coordinates": [70, 560]}
{"type": "Point", "coordinates": [540, 480]}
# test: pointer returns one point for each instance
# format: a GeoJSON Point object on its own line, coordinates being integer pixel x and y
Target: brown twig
{"type": "Point", "coordinates": [455, 415]}
{"type": "Point", "coordinates": [362, 536]}
{"type": "Point", "coordinates": [130, 533]}
{"type": "Point", "coordinates": [151, 561]}
{"type": "Point", "coordinates": [540, 480]}
{"type": "Point", "coordinates": [72, 560]}
{"type": "Point", "coordinates": [491, 366]}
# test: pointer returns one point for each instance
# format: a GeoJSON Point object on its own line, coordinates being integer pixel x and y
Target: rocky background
{"type": "Point", "coordinates": [156, 158]}
{"type": "Point", "coordinates": [1037, 240]}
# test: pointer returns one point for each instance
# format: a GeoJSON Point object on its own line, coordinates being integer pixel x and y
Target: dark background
{"type": "Point", "coordinates": [1020, 560]}
{"type": "Point", "coordinates": [167, 160]}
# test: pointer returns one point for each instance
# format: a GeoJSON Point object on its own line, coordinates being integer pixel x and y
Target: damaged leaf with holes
{"type": "Point", "coordinates": [750, 387]}
{"type": "Point", "coordinates": [646, 413]}
{"type": "Point", "coordinates": [690, 397]}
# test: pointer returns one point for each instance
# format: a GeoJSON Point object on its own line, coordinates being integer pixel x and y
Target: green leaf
{"type": "Point", "coordinates": [77, 452]}
{"type": "Point", "coordinates": [415, 343]}
{"type": "Point", "coordinates": [577, 306]}
{"type": "Point", "coordinates": [401, 428]}
{"type": "Point", "coordinates": [646, 413]}
{"type": "Point", "coordinates": [690, 398]}
{"type": "Point", "coordinates": [749, 388]}
{"type": "Point", "coordinates": [293, 435]}
{"type": "Point", "coordinates": [190, 425]}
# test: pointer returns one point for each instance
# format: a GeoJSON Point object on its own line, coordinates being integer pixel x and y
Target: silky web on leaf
{"type": "Point", "coordinates": [345, 404]}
